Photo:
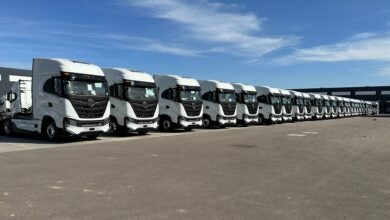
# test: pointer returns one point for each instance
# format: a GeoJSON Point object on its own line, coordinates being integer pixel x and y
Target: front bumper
{"type": "Point", "coordinates": [327, 115]}
{"type": "Point", "coordinates": [275, 118]}
{"type": "Point", "coordinates": [141, 125]}
{"type": "Point", "coordinates": [308, 116]}
{"type": "Point", "coordinates": [300, 117]}
{"type": "Point", "coordinates": [74, 127]}
{"type": "Point", "coordinates": [319, 116]}
{"type": "Point", "coordinates": [223, 120]}
{"type": "Point", "coordinates": [287, 117]}
{"type": "Point", "coordinates": [250, 119]}
{"type": "Point", "coordinates": [190, 122]}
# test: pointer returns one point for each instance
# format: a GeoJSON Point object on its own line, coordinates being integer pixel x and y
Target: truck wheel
{"type": "Point", "coordinates": [142, 132]}
{"type": "Point", "coordinates": [206, 123]}
{"type": "Point", "coordinates": [165, 124]}
{"type": "Point", "coordinates": [50, 131]}
{"type": "Point", "coordinates": [113, 127]}
{"type": "Point", "coordinates": [8, 128]}
{"type": "Point", "coordinates": [261, 120]}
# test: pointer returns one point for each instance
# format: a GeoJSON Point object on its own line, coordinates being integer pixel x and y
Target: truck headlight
{"type": "Point", "coordinates": [69, 121]}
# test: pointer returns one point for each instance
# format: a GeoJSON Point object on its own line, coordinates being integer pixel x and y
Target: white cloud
{"type": "Point", "coordinates": [366, 47]}
{"type": "Point", "coordinates": [216, 24]}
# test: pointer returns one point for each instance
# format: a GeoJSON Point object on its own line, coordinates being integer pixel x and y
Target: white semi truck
{"type": "Point", "coordinates": [334, 106]}
{"type": "Point", "coordinates": [327, 107]}
{"type": "Point", "coordinates": [134, 101]}
{"type": "Point", "coordinates": [308, 106]}
{"type": "Point", "coordinates": [247, 104]}
{"type": "Point", "coordinates": [180, 103]}
{"type": "Point", "coordinates": [68, 97]}
{"type": "Point", "coordinates": [219, 103]}
{"type": "Point", "coordinates": [270, 105]}
{"type": "Point", "coordinates": [298, 106]}
{"type": "Point", "coordinates": [286, 105]}
{"type": "Point", "coordinates": [340, 107]}
{"type": "Point", "coordinates": [317, 111]}
{"type": "Point", "coordinates": [347, 104]}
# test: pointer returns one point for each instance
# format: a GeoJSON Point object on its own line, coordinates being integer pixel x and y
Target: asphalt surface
{"type": "Point", "coordinates": [335, 169]}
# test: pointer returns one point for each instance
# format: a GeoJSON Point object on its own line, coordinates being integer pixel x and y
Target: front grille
{"type": "Point", "coordinates": [328, 109]}
{"type": "Point", "coordinates": [229, 108]}
{"type": "Point", "coordinates": [89, 107]}
{"type": "Point", "coordinates": [288, 109]}
{"type": "Point", "coordinates": [278, 109]}
{"type": "Point", "coordinates": [252, 108]}
{"type": "Point", "coordinates": [193, 108]}
{"type": "Point", "coordinates": [143, 108]}
{"type": "Point", "coordinates": [319, 109]}
{"type": "Point", "coordinates": [300, 108]}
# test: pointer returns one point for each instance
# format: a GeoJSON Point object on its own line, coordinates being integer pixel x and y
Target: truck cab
{"type": "Point", "coordinates": [20, 98]}
{"type": "Point", "coordinates": [333, 104]}
{"type": "Point", "coordinates": [340, 107]}
{"type": "Point", "coordinates": [307, 106]}
{"type": "Point", "coordinates": [270, 105]}
{"type": "Point", "coordinates": [317, 110]}
{"type": "Point", "coordinates": [327, 106]}
{"type": "Point", "coordinates": [286, 105]}
{"type": "Point", "coordinates": [180, 102]}
{"type": "Point", "coordinates": [68, 97]}
{"type": "Point", "coordinates": [298, 106]}
{"type": "Point", "coordinates": [5, 107]}
{"type": "Point", "coordinates": [375, 108]}
{"type": "Point", "coordinates": [247, 104]}
{"type": "Point", "coordinates": [219, 103]}
{"type": "Point", "coordinates": [347, 104]}
{"type": "Point", "coordinates": [134, 101]}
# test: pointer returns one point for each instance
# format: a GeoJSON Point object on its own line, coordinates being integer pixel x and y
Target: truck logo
{"type": "Point", "coordinates": [91, 103]}
{"type": "Point", "coordinates": [145, 104]}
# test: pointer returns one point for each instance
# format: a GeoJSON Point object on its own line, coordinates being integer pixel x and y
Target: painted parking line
{"type": "Point", "coordinates": [310, 132]}
{"type": "Point", "coordinates": [296, 135]}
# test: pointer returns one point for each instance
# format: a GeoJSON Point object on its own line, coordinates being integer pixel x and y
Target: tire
{"type": "Point", "coordinates": [261, 120]}
{"type": "Point", "coordinates": [142, 132]}
{"type": "Point", "coordinates": [206, 122]}
{"type": "Point", "coordinates": [50, 131]}
{"type": "Point", "coordinates": [165, 124]}
{"type": "Point", "coordinates": [114, 127]}
{"type": "Point", "coordinates": [188, 128]}
{"type": "Point", "coordinates": [7, 128]}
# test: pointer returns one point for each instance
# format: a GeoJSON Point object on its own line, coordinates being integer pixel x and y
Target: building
{"type": "Point", "coordinates": [380, 94]}
{"type": "Point", "coordinates": [9, 75]}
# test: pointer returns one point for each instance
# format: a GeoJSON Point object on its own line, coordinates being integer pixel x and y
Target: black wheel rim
{"type": "Point", "coordinates": [206, 123]}
{"type": "Point", "coordinates": [166, 125]}
{"type": "Point", "coordinates": [51, 131]}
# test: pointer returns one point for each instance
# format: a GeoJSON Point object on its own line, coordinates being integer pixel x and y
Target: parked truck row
{"type": "Point", "coordinates": [72, 98]}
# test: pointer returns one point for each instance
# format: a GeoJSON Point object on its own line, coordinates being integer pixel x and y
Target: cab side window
{"type": "Point", "coordinates": [208, 96]}
{"type": "Point", "coordinates": [48, 86]}
{"type": "Point", "coordinates": [167, 94]}
{"type": "Point", "coordinates": [116, 91]}
{"type": "Point", "coordinates": [262, 99]}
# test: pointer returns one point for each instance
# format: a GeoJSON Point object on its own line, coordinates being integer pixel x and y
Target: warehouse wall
{"type": "Point", "coordinates": [8, 76]}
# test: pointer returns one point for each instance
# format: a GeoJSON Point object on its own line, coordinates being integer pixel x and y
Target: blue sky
{"type": "Point", "coordinates": [302, 43]}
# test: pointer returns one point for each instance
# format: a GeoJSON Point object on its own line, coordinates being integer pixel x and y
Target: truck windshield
{"type": "Point", "coordinates": [72, 87]}
{"type": "Point", "coordinates": [327, 103]}
{"type": "Point", "coordinates": [300, 101]}
{"type": "Point", "coordinates": [318, 102]}
{"type": "Point", "coordinates": [275, 100]}
{"type": "Point", "coordinates": [307, 102]}
{"type": "Point", "coordinates": [334, 103]}
{"type": "Point", "coordinates": [227, 97]}
{"type": "Point", "coordinates": [190, 95]}
{"type": "Point", "coordinates": [141, 92]}
{"type": "Point", "coordinates": [250, 97]}
{"type": "Point", "coordinates": [286, 101]}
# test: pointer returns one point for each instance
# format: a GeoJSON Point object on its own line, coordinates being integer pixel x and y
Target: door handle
{"type": "Point", "coordinates": [50, 104]}
{"type": "Point", "coordinates": [167, 106]}
{"type": "Point", "coordinates": [207, 107]}
{"type": "Point", "coordinates": [112, 106]}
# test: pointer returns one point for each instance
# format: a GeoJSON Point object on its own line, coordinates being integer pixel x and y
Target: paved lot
{"type": "Point", "coordinates": [335, 169]}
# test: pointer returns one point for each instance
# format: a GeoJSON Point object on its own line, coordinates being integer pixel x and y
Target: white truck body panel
{"type": "Point", "coordinates": [298, 106]}
{"type": "Point", "coordinates": [270, 104]}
